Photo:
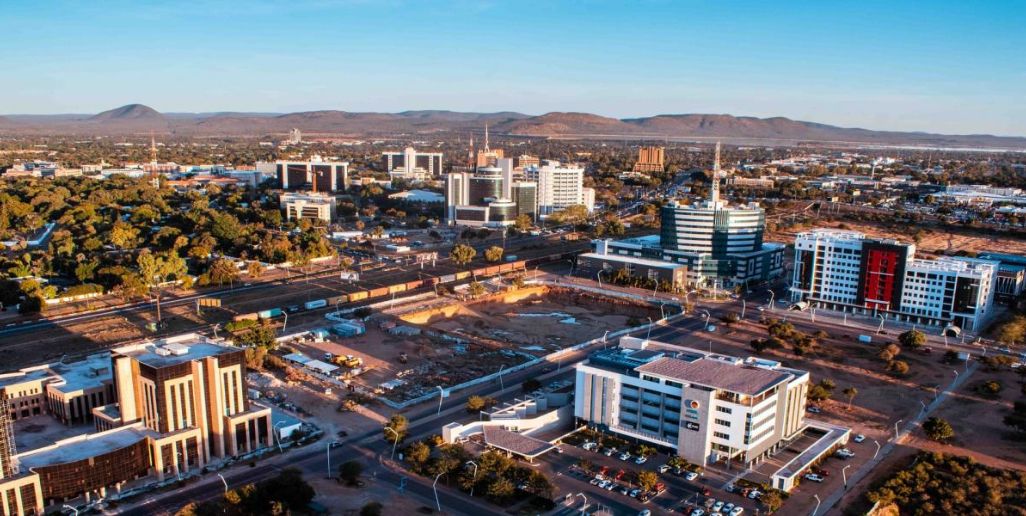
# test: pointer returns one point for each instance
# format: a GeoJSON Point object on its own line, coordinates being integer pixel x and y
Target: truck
{"type": "Point", "coordinates": [349, 361]}
{"type": "Point", "coordinates": [865, 339]}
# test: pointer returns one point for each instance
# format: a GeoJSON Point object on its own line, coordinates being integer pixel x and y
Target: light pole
{"type": "Point", "coordinates": [274, 430]}
{"type": "Point", "coordinates": [604, 335]}
{"type": "Point", "coordinates": [896, 423]}
{"type": "Point", "coordinates": [649, 335]}
{"type": "Point", "coordinates": [599, 276]}
{"type": "Point", "coordinates": [877, 452]}
{"type": "Point", "coordinates": [706, 312]}
{"type": "Point", "coordinates": [923, 403]}
{"type": "Point", "coordinates": [743, 306]}
{"type": "Point", "coordinates": [225, 482]}
{"type": "Point", "coordinates": [328, 452]}
{"type": "Point", "coordinates": [955, 379]}
{"type": "Point", "coordinates": [66, 506]}
{"type": "Point", "coordinates": [434, 486]}
{"type": "Point", "coordinates": [286, 323]}
{"type": "Point", "coordinates": [441, 394]}
{"type": "Point", "coordinates": [844, 475]}
{"type": "Point", "coordinates": [395, 443]}
{"type": "Point", "coordinates": [474, 478]}
{"type": "Point", "coordinates": [772, 295]}
{"type": "Point", "coordinates": [814, 511]}
{"type": "Point", "coordinates": [585, 498]}
{"type": "Point", "coordinates": [502, 387]}
{"type": "Point", "coordinates": [882, 319]}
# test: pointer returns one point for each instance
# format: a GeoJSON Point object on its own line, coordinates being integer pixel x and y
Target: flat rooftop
{"type": "Point", "coordinates": [43, 430]}
{"type": "Point", "coordinates": [175, 350]}
{"type": "Point", "coordinates": [85, 374]}
{"type": "Point", "coordinates": [716, 374]}
{"type": "Point", "coordinates": [22, 377]}
{"type": "Point", "coordinates": [513, 442]}
{"type": "Point", "coordinates": [648, 262]}
{"type": "Point", "coordinates": [82, 447]}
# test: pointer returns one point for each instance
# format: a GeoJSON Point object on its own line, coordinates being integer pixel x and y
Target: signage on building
{"type": "Point", "coordinates": [691, 426]}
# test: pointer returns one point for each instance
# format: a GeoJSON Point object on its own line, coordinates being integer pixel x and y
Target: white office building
{"type": "Point", "coordinates": [412, 165]}
{"type": "Point", "coordinates": [560, 186]}
{"type": "Point", "coordinates": [314, 207]}
{"type": "Point", "coordinates": [706, 407]}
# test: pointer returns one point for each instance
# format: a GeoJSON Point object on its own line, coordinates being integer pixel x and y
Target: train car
{"type": "Point", "coordinates": [448, 278]}
{"type": "Point", "coordinates": [244, 317]}
{"type": "Point", "coordinates": [337, 300]}
{"type": "Point", "coordinates": [520, 265]}
{"type": "Point", "coordinates": [378, 292]}
{"type": "Point", "coordinates": [270, 314]}
{"type": "Point", "coordinates": [397, 288]}
{"type": "Point", "coordinates": [506, 267]}
{"type": "Point", "coordinates": [357, 296]}
{"type": "Point", "coordinates": [462, 275]}
{"type": "Point", "coordinates": [492, 271]}
{"type": "Point", "coordinates": [319, 303]}
{"type": "Point", "coordinates": [412, 285]}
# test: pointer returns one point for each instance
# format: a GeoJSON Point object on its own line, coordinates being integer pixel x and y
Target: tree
{"type": "Point", "coordinates": [254, 269]}
{"type": "Point", "coordinates": [772, 500]}
{"type": "Point", "coordinates": [938, 429]}
{"type": "Point", "coordinates": [475, 404]}
{"type": "Point", "coordinates": [493, 254]}
{"type": "Point", "coordinates": [350, 471]}
{"type": "Point", "coordinates": [123, 235]}
{"type": "Point", "coordinates": [821, 391]}
{"type": "Point", "coordinates": [889, 352]}
{"type": "Point", "coordinates": [647, 480]}
{"type": "Point", "coordinates": [476, 289]}
{"type": "Point", "coordinates": [223, 271]}
{"type": "Point", "coordinates": [371, 509]}
{"type": "Point", "coordinates": [462, 254]}
{"type": "Point", "coordinates": [157, 269]}
{"type": "Point", "coordinates": [912, 339]}
{"type": "Point", "coordinates": [523, 222]}
{"type": "Point", "coordinates": [850, 392]}
{"type": "Point", "coordinates": [417, 453]}
{"type": "Point", "coordinates": [398, 424]}
{"type": "Point", "coordinates": [501, 488]}
{"type": "Point", "coordinates": [899, 367]}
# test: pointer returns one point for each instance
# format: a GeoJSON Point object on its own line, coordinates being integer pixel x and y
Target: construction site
{"type": "Point", "coordinates": [410, 350]}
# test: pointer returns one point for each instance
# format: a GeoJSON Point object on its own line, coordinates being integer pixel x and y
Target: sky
{"type": "Point", "coordinates": [946, 66]}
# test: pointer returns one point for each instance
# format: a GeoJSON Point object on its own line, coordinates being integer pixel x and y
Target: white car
{"type": "Point", "coordinates": [697, 512]}
{"type": "Point", "coordinates": [625, 456]}
{"type": "Point", "coordinates": [844, 453]}
{"type": "Point", "coordinates": [641, 460]}
{"type": "Point", "coordinates": [729, 507]}
{"type": "Point", "coordinates": [691, 475]}
{"type": "Point", "coordinates": [717, 506]}
{"type": "Point", "coordinates": [737, 511]}
{"type": "Point", "coordinates": [604, 484]}
{"type": "Point", "coordinates": [755, 493]}
{"type": "Point", "coordinates": [859, 438]}
{"type": "Point", "coordinates": [814, 477]}
{"type": "Point", "coordinates": [664, 468]}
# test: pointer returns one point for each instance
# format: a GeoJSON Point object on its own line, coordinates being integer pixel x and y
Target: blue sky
{"type": "Point", "coordinates": [939, 66]}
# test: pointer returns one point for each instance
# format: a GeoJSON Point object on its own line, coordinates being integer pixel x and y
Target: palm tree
{"type": "Point", "coordinates": [850, 392]}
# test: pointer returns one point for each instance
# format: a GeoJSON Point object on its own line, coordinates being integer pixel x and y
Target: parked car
{"type": "Point", "coordinates": [814, 477]}
{"type": "Point", "coordinates": [635, 492]}
{"type": "Point", "coordinates": [690, 475]}
{"type": "Point", "coordinates": [844, 453]}
{"type": "Point", "coordinates": [609, 452]}
{"type": "Point", "coordinates": [754, 494]}
{"type": "Point", "coordinates": [625, 456]}
{"type": "Point", "coordinates": [709, 502]}
{"type": "Point", "coordinates": [697, 512]}
{"type": "Point", "coordinates": [814, 410]}
{"type": "Point", "coordinates": [717, 506]}
{"type": "Point", "coordinates": [737, 511]}
{"type": "Point", "coordinates": [727, 508]}
{"type": "Point", "coordinates": [641, 460]}
{"type": "Point", "coordinates": [859, 438]}
{"type": "Point", "coordinates": [664, 468]}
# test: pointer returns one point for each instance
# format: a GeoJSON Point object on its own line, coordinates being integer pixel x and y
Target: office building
{"type": "Point", "coordinates": [412, 165]}
{"type": "Point", "coordinates": [525, 194]}
{"type": "Point", "coordinates": [159, 408]}
{"type": "Point", "coordinates": [559, 187]}
{"type": "Point", "coordinates": [295, 137]}
{"type": "Point", "coordinates": [707, 408]}
{"type": "Point", "coordinates": [845, 271]}
{"type": "Point", "coordinates": [721, 245]}
{"type": "Point", "coordinates": [1011, 277]}
{"type": "Point", "coordinates": [315, 207]}
{"type": "Point", "coordinates": [317, 175]}
{"type": "Point", "coordinates": [479, 199]}
{"type": "Point", "coordinates": [650, 159]}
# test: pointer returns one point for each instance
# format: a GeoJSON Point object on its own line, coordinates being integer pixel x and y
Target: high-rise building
{"type": "Point", "coordinates": [845, 271]}
{"type": "Point", "coordinates": [559, 187]}
{"type": "Point", "coordinates": [316, 175]}
{"type": "Point", "coordinates": [525, 194]}
{"type": "Point", "coordinates": [480, 198]}
{"type": "Point", "coordinates": [412, 165]}
{"type": "Point", "coordinates": [295, 137]}
{"type": "Point", "coordinates": [488, 157]}
{"type": "Point", "coordinates": [721, 245]}
{"type": "Point", "coordinates": [650, 159]}
{"type": "Point", "coordinates": [706, 407]}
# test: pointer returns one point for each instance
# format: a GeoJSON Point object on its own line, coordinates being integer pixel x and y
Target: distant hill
{"type": "Point", "coordinates": [141, 119]}
{"type": "Point", "coordinates": [128, 112]}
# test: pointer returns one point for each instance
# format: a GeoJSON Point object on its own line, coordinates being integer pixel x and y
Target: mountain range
{"type": "Point", "coordinates": [140, 119]}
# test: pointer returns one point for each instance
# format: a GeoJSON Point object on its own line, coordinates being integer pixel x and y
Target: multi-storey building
{"type": "Point", "coordinates": [480, 199]}
{"type": "Point", "coordinates": [650, 159]}
{"type": "Point", "coordinates": [317, 174]}
{"type": "Point", "coordinates": [412, 165]}
{"type": "Point", "coordinates": [310, 206]}
{"type": "Point", "coordinates": [159, 408]}
{"type": "Point", "coordinates": [705, 407]}
{"type": "Point", "coordinates": [1011, 280]}
{"type": "Point", "coordinates": [559, 187]}
{"type": "Point", "coordinates": [845, 271]}
{"type": "Point", "coordinates": [721, 245]}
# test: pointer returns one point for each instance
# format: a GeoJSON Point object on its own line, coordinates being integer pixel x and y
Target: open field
{"type": "Point", "coordinates": [933, 241]}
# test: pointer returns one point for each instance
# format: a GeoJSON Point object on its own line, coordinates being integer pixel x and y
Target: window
{"type": "Point", "coordinates": [722, 435]}
{"type": "Point", "coordinates": [725, 410]}
{"type": "Point", "coordinates": [723, 422]}
{"type": "Point", "coordinates": [672, 383]}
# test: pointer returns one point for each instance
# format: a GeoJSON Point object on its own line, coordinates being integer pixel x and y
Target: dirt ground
{"type": "Point", "coordinates": [933, 241]}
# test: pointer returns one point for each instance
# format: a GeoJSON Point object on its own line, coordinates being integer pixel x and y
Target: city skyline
{"type": "Point", "coordinates": [952, 69]}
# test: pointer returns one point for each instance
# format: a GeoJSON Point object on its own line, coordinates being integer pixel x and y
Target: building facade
{"type": "Point", "coordinates": [705, 407]}
{"type": "Point", "coordinates": [559, 187]}
{"type": "Point", "coordinates": [650, 159]}
{"type": "Point", "coordinates": [316, 175]}
{"type": "Point", "coordinates": [845, 271]}
{"type": "Point", "coordinates": [314, 207]}
{"type": "Point", "coordinates": [480, 199]}
{"type": "Point", "coordinates": [412, 165]}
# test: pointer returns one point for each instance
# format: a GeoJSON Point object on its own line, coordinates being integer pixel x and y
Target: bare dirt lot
{"type": "Point", "coordinates": [932, 241]}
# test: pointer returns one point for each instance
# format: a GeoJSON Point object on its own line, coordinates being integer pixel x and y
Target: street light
{"type": "Point", "coordinates": [441, 394]}
{"type": "Point", "coordinates": [585, 498]}
{"type": "Point", "coordinates": [877, 452]}
{"type": "Point", "coordinates": [604, 335]}
{"type": "Point", "coordinates": [434, 486]}
{"type": "Point", "coordinates": [896, 423]}
{"type": "Point", "coordinates": [772, 295]}
{"type": "Point", "coordinates": [844, 475]}
{"type": "Point", "coordinates": [743, 306]}
{"type": "Point", "coordinates": [706, 312]}
{"type": "Point", "coordinates": [649, 335]}
{"type": "Point", "coordinates": [474, 477]}
{"type": "Point", "coordinates": [275, 434]}
{"type": "Point", "coordinates": [882, 319]}
{"type": "Point", "coordinates": [394, 444]}
{"type": "Point", "coordinates": [923, 403]}
{"type": "Point", "coordinates": [814, 511]}
{"type": "Point", "coordinates": [225, 482]}
{"type": "Point", "coordinates": [599, 276]}
{"type": "Point", "coordinates": [286, 323]}
{"type": "Point", "coordinates": [501, 386]}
